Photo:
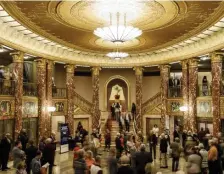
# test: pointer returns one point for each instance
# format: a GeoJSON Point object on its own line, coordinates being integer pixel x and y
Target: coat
{"type": "Point", "coordinates": [48, 154]}
{"type": "Point", "coordinates": [30, 154]}
{"type": "Point", "coordinates": [163, 145]}
{"type": "Point", "coordinates": [141, 159]}
{"type": "Point", "coordinates": [112, 165]}
{"type": "Point", "coordinates": [125, 170]}
{"type": "Point", "coordinates": [18, 156]}
{"type": "Point", "coordinates": [176, 149]}
{"type": "Point", "coordinates": [5, 146]}
{"type": "Point", "coordinates": [194, 164]}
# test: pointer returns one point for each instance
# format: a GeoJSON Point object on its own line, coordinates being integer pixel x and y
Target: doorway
{"type": "Point", "coordinates": [30, 124]}
{"type": "Point", "coordinates": [7, 126]}
{"type": "Point", "coordinates": [150, 122]}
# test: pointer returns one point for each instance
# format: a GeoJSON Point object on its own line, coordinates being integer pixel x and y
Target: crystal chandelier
{"type": "Point", "coordinates": [118, 32]}
{"type": "Point", "coordinates": [117, 55]}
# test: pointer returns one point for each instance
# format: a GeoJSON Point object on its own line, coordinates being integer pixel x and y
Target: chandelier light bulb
{"type": "Point", "coordinates": [117, 55]}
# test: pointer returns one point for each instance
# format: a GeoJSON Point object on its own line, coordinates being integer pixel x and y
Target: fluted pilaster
{"type": "Point", "coordinates": [42, 102]}
{"type": "Point", "coordinates": [164, 73]}
{"type": "Point", "coordinates": [95, 108]}
{"type": "Point", "coordinates": [18, 78]}
{"type": "Point", "coordinates": [138, 87]}
{"type": "Point", "coordinates": [193, 84]}
{"type": "Point", "coordinates": [185, 92]}
{"type": "Point", "coordinates": [216, 63]}
{"type": "Point", "coordinates": [70, 71]}
{"type": "Point", "coordinates": [50, 65]}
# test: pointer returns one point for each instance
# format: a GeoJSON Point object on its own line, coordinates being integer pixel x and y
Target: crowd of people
{"type": "Point", "coordinates": [26, 156]}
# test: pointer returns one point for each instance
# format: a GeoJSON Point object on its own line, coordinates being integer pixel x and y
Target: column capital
{"type": "Point", "coordinates": [216, 57]}
{"type": "Point", "coordinates": [184, 64]}
{"type": "Point", "coordinates": [70, 68]}
{"type": "Point", "coordinates": [50, 64]}
{"type": "Point", "coordinates": [41, 63]}
{"type": "Point", "coordinates": [96, 70]}
{"type": "Point", "coordinates": [138, 70]}
{"type": "Point", "coordinates": [164, 68]}
{"type": "Point", "coordinates": [18, 56]}
{"type": "Point", "coordinates": [193, 62]}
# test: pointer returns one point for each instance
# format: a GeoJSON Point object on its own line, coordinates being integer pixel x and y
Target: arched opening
{"type": "Point", "coordinates": [110, 93]}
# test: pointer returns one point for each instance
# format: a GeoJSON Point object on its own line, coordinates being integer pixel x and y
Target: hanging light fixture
{"type": "Point", "coordinates": [117, 55]}
{"type": "Point", "coordinates": [118, 32]}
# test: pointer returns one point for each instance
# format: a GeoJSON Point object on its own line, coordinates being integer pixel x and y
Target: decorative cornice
{"type": "Point", "coordinates": [216, 57]}
{"type": "Point", "coordinates": [138, 70]}
{"type": "Point", "coordinates": [96, 70]}
{"type": "Point", "coordinates": [193, 62]}
{"type": "Point", "coordinates": [70, 68]}
{"type": "Point", "coordinates": [18, 57]}
{"type": "Point", "coordinates": [41, 63]}
{"type": "Point", "coordinates": [184, 64]}
{"type": "Point", "coordinates": [164, 68]}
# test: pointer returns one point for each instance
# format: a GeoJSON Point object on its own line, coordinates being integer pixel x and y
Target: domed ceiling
{"type": "Point", "coordinates": [71, 23]}
{"type": "Point", "coordinates": [172, 30]}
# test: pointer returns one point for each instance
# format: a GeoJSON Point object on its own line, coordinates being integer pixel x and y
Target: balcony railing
{"type": "Point", "coordinates": [204, 90]}
{"type": "Point", "coordinates": [29, 89]}
{"type": "Point", "coordinates": [175, 91]}
{"type": "Point", "coordinates": [59, 92]}
{"type": "Point", "coordinates": [7, 87]}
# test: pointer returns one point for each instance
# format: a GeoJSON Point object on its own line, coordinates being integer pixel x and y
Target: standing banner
{"type": "Point", "coordinates": [64, 138]}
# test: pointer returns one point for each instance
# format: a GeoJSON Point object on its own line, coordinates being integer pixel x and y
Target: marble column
{"type": "Point", "coordinates": [18, 78]}
{"type": "Point", "coordinates": [164, 73]}
{"type": "Point", "coordinates": [216, 64]}
{"type": "Point", "coordinates": [193, 85]}
{"type": "Point", "coordinates": [69, 118]}
{"type": "Point", "coordinates": [50, 65]}
{"type": "Point", "coordinates": [138, 86]}
{"type": "Point", "coordinates": [42, 103]}
{"type": "Point", "coordinates": [95, 100]}
{"type": "Point", "coordinates": [185, 91]}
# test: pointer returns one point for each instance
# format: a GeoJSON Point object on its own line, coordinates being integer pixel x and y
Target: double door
{"type": "Point", "coordinates": [7, 126]}
{"type": "Point", "coordinates": [31, 124]}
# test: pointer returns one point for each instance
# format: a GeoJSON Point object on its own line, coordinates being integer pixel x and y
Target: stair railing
{"type": "Point", "coordinates": [82, 102]}
{"type": "Point", "coordinates": [151, 103]}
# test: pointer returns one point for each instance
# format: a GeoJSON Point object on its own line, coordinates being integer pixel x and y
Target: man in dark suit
{"type": "Point", "coordinates": [141, 159]}
{"type": "Point", "coordinates": [118, 145]}
{"type": "Point", "coordinates": [5, 147]}
{"type": "Point", "coordinates": [48, 154]}
{"type": "Point", "coordinates": [31, 152]}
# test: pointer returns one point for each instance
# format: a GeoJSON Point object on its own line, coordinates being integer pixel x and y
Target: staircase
{"type": "Point", "coordinates": [151, 103]}
{"type": "Point", "coordinates": [114, 129]}
{"type": "Point", "coordinates": [82, 103]}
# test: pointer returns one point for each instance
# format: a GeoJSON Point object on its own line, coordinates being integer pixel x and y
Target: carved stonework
{"type": "Point", "coordinates": [216, 63]}
{"type": "Point", "coordinates": [18, 78]}
{"type": "Point", "coordinates": [164, 73]}
{"type": "Point", "coordinates": [70, 70]}
{"type": "Point", "coordinates": [138, 76]}
{"type": "Point", "coordinates": [193, 81]}
{"type": "Point", "coordinates": [185, 92]}
{"type": "Point", "coordinates": [42, 103]}
{"type": "Point", "coordinates": [50, 65]}
{"type": "Point", "coordinates": [95, 107]}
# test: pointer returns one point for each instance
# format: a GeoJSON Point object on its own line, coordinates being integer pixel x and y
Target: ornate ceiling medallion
{"type": "Point", "coordinates": [118, 32]}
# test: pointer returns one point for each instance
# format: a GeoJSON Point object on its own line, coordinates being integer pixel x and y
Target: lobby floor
{"type": "Point", "coordinates": [64, 164]}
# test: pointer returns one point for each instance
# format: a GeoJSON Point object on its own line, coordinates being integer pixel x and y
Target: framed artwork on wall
{"type": "Point", "coordinates": [5, 108]}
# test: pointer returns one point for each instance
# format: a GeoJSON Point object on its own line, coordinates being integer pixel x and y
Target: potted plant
{"type": "Point", "coordinates": [117, 96]}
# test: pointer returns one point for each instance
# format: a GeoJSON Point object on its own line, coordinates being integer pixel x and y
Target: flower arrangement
{"type": "Point", "coordinates": [117, 96]}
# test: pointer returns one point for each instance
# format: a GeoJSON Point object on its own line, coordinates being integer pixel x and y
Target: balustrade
{"type": "Point", "coordinates": [29, 89]}
{"type": "Point", "coordinates": [175, 91]}
{"type": "Point", "coordinates": [59, 92]}
{"type": "Point", "coordinates": [7, 87]}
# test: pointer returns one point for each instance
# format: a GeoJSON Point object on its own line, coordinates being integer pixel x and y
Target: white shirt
{"type": "Point", "coordinates": [156, 131]}
{"type": "Point", "coordinates": [95, 169]}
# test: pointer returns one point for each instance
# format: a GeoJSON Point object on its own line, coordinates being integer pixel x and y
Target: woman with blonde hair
{"type": "Point", "coordinates": [21, 168]}
{"type": "Point", "coordinates": [89, 159]}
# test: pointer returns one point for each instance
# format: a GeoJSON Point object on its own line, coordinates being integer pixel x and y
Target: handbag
{"type": "Point", "coordinates": [43, 170]}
